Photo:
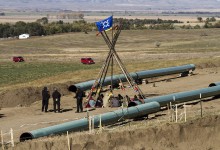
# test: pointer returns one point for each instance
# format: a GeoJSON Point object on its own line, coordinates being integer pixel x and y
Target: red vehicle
{"type": "Point", "coordinates": [87, 60]}
{"type": "Point", "coordinates": [18, 59]}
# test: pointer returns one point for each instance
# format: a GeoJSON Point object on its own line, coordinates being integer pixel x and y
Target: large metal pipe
{"type": "Point", "coordinates": [151, 105]}
{"type": "Point", "coordinates": [181, 96]}
{"type": "Point", "coordinates": [136, 76]}
{"type": "Point", "coordinates": [165, 71]}
{"type": "Point", "coordinates": [82, 124]}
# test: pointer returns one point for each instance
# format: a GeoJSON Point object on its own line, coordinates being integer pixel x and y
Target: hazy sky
{"type": "Point", "coordinates": [111, 4]}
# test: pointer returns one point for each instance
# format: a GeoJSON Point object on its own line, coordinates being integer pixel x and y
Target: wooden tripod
{"type": "Point", "coordinates": [109, 60]}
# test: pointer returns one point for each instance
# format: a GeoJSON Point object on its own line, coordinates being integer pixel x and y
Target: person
{"type": "Point", "coordinates": [79, 98]}
{"type": "Point", "coordinates": [114, 102]}
{"type": "Point", "coordinates": [135, 98]}
{"type": "Point", "coordinates": [120, 98]}
{"type": "Point", "coordinates": [45, 99]}
{"type": "Point", "coordinates": [56, 100]}
{"type": "Point", "coordinates": [106, 99]}
{"type": "Point", "coordinates": [141, 98]}
{"type": "Point", "coordinates": [121, 85]}
{"type": "Point", "coordinates": [99, 102]}
{"type": "Point", "coordinates": [128, 99]}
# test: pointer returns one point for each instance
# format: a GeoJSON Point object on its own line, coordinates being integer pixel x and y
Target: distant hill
{"type": "Point", "coordinates": [110, 5]}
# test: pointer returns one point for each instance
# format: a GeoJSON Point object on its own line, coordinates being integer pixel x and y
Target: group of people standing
{"type": "Point", "coordinates": [56, 100]}
{"type": "Point", "coordinates": [45, 100]}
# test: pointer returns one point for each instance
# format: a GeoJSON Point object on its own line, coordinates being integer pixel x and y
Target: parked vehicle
{"type": "Point", "coordinates": [18, 59]}
{"type": "Point", "coordinates": [87, 60]}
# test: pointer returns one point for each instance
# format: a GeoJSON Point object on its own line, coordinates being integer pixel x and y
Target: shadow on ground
{"type": "Point", "coordinates": [2, 115]}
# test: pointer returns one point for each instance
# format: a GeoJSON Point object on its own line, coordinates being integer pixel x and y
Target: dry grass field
{"type": "Point", "coordinates": [54, 61]}
{"type": "Point", "coordinates": [13, 17]}
{"type": "Point", "coordinates": [52, 57]}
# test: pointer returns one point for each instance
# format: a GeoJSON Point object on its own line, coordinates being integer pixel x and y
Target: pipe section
{"type": "Point", "coordinates": [136, 76]}
{"type": "Point", "coordinates": [151, 105]}
{"type": "Point", "coordinates": [83, 124]}
{"type": "Point", "coordinates": [181, 97]}
{"type": "Point", "coordinates": [165, 71]}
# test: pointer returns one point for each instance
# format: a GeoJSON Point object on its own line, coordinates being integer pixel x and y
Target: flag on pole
{"type": "Point", "coordinates": [105, 24]}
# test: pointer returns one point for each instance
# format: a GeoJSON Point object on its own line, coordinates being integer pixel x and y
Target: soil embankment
{"type": "Point", "coordinates": [202, 134]}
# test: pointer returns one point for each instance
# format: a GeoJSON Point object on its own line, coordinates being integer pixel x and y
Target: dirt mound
{"type": "Point", "coordinates": [200, 134]}
{"type": "Point", "coordinates": [28, 95]}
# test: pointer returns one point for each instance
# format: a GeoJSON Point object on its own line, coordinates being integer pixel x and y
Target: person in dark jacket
{"type": "Point", "coordinates": [45, 99]}
{"type": "Point", "coordinates": [79, 98]}
{"type": "Point", "coordinates": [56, 100]}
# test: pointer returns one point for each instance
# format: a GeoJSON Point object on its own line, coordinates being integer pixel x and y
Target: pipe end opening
{"type": "Point", "coordinates": [72, 88]}
{"type": "Point", "coordinates": [26, 136]}
{"type": "Point", "coordinates": [212, 84]}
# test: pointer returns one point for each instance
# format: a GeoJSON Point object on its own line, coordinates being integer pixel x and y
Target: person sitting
{"type": "Point", "coordinates": [120, 98]}
{"type": "Point", "coordinates": [128, 99]}
{"type": "Point", "coordinates": [91, 102]}
{"type": "Point", "coordinates": [141, 99]}
{"type": "Point", "coordinates": [137, 99]}
{"type": "Point", "coordinates": [121, 86]}
{"type": "Point", "coordinates": [99, 102]}
{"type": "Point", "coordinates": [114, 102]}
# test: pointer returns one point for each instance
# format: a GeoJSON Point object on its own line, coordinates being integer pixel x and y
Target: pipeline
{"type": "Point", "coordinates": [83, 124]}
{"type": "Point", "coordinates": [152, 105]}
{"type": "Point", "coordinates": [136, 76]}
{"type": "Point", "coordinates": [181, 97]}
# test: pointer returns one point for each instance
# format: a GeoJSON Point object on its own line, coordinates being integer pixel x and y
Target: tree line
{"type": "Point", "coordinates": [43, 27]}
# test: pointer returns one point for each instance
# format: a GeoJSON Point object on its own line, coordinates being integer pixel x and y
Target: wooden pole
{"type": "Point", "coordinates": [185, 111]}
{"type": "Point", "coordinates": [168, 112]}
{"type": "Point", "coordinates": [89, 124]}
{"type": "Point", "coordinates": [12, 138]}
{"type": "Point", "coordinates": [93, 124]}
{"type": "Point", "coordinates": [201, 103]}
{"type": "Point", "coordinates": [2, 141]}
{"type": "Point", "coordinates": [87, 113]}
{"type": "Point", "coordinates": [68, 140]}
{"type": "Point", "coordinates": [171, 113]}
{"type": "Point", "coordinates": [176, 112]}
{"type": "Point", "coordinates": [100, 123]}
{"type": "Point", "coordinates": [112, 65]}
{"type": "Point", "coordinates": [174, 98]}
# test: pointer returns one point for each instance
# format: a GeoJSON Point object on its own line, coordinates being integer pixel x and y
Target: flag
{"type": "Point", "coordinates": [105, 24]}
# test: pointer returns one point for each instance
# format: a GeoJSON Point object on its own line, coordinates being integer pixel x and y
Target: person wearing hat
{"type": "Point", "coordinates": [56, 100]}
{"type": "Point", "coordinates": [45, 99]}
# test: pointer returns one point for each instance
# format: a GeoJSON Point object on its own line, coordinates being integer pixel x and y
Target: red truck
{"type": "Point", "coordinates": [18, 59]}
{"type": "Point", "coordinates": [87, 60]}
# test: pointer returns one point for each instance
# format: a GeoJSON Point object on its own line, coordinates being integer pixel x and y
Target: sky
{"type": "Point", "coordinates": [107, 5]}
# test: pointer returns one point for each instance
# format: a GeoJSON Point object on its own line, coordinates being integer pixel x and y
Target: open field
{"type": "Point", "coordinates": [54, 61]}
{"type": "Point", "coordinates": [12, 17]}
{"type": "Point", "coordinates": [58, 57]}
